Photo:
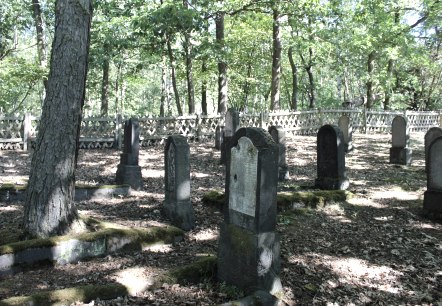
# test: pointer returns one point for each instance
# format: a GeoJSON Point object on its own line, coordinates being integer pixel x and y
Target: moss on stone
{"type": "Point", "coordinates": [214, 198]}
{"type": "Point", "coordinates": [68, 296]}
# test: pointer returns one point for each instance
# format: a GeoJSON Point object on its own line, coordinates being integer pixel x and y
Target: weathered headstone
{"type": "Point", "coordinates": [400, 153]}
{"type": "Point", "coordinates": [433, 195]}
{"type": "Point", "coordinates": [278, 135]}
{"type": "Point", "coordinates": [249, 247]}
{"type": "Point", "coordinates": [219, 135]}
{"type": "Point", "coordinates": [177, 206]}
{"type": "Point", "coordinates": [331, 159]}
{"type": "Point", "coordinates": [431, 135]}
{"type": "Point", "coordinates": [128, 171]}
{"type": "Point", "coordinates": [346, 127]}
{"type": "Point", "coordinates": [232, 123]}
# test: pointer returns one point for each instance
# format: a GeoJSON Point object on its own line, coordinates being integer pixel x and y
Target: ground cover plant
{"type": "Point", "coordinates": [373, 247]}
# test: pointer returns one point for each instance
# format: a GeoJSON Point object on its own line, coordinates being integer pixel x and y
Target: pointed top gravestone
{"type": "Point", "coordinates": [400, 153]}
{"type": "Point", "coordinates": [331, 159]}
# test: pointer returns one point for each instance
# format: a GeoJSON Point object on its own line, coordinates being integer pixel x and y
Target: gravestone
{"type": "Point", "coordinates": [331, 159]}
{"type": "Point", "coordinates": [219, 135]}
{"type": "Point", "coordinates": [128, 171]}
{"type": "Point", "coordinates": [249, 247]}
{"type": "Point", "coordinates": [400, 153]}
{"type": "Point", "coordinates": [177, 206]}
{"type": "Point", "coordinates": [431, 135]}
{"type": "Point", "coordinates": [232, 123]}
{"type": "Point", "coordinates": [278, 135]}
{"type": "Point", "coordinates": [346, 127]}
{"type": "Point", "coordinates": [433, 195]}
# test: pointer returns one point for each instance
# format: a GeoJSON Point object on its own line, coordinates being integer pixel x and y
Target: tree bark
{"type": "Point", "coordinates": [222, 65]}
{"type": "Point", "coordinates": [41, 44]}
{"type": "Point", "coordinates": [204, 87]}
{"type": "Point", "coordinates": [276, 61]}
{"type": "Point", "coordinates": [294, 99]}
{"type": "Point", "coordinates": [105, 88]}
{"type": "Point", "coordinates": [49, 205]}
{"type": "Point", "coordinates": [369, 84]}
{"type": "Point", "coordinates": [173, 75]}
{"type": "Point", "coordinates": [189, 73]}
{"type": "Point", "coordinates": [163, 86]}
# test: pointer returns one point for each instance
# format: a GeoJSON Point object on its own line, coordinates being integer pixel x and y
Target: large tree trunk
{"type": "Point", "coordinates": [276, 61]}
{"type": "Point", "coordinates": [41, 44]}
{"type": "Point", "coordinates": [222, 65]}
{"type": "Point", "coordinates": [369, 84]}
{"type": "Point", "coordinates": [173, 75]}
{"type": "Point", "coordinates": [49, 205]}
{"type": "Point", "coordinates": [294, 100]}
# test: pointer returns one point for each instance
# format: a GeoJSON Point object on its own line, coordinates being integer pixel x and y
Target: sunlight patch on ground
{"type": "Point", "coordinates": [396, 193]}
{"type": "Point", "coordinates": [384, 218]}
{"type": "Point", "coordinates": [199, 175]}
{"type": "Point", "coordinates": [365, 202]}
{"type": "Point", "coordinates": [9, 208]}
{"type": "Point", "coordinates": [152, 173]}
{"type": "Point", "coordinates": [354, 272]}
{"type": "Point", "coordinates": [158, 248]}
{"type": "Point", "coordinates": [204, 235]}
{"type": "Point", "coordinates": [134, 279]}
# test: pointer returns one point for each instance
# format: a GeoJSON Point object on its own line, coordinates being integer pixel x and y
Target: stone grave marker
{"type": "Point", "coordinates": [232, 123]}
{"type": "Point", "coordinates": [433, 194]}
{"type": "Point", "coordinates": [249, 247]}
{"type": "Point", "coordinates": [219, 135]}
{"type": "Point", "coordinates": [177, 206]}
{"type": "Point", "coordinates": [331, 159]}
{"type": "Point", "coordinates": [346, 127]}
{"type": "Point", "coordinates": [278, 135]}
{"type": "Point", "coordinates": [400, 153]}
{"type": "Point", "coordinates": [431, 135]}
{"type": "Point", "coordinates": [128, 171]}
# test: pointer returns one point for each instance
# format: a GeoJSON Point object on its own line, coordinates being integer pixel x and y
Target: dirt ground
{"type": "Point", "coordinates": [375, 249]}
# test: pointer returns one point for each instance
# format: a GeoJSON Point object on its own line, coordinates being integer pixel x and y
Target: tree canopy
{"type": "Point", "coordinates": [170, 57]}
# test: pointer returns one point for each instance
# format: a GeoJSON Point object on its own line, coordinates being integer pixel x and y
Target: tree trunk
{"type": "Point", "coordinates": [41, 44]}
{"type": "Point", "coordinates": [189, 74]}
{"type": "Point", "coordinates": [311, 87]}
{"type": "Point", "coordinates": [204, 87]}
{"type": "Point", "coordinates": [276, 61]}
{"type": "Point", "coordinates": [222, 65]}
{"type": "Point", "coordinates": [388, 87]}
{"type": "Point", "coordinates": [105, 89]}
{"type": "Point", "coordinates": [369, 84]}
{"type": "Point", "coordinates": [246, 88]}
{"type": "Point", "coordinates": [173, 75]}
{"type": "Point", "coordinates": [163, 86]}
{"type": "Point", "coordinates": [49, 205]}
{"type": "Point", "coordinates": [294, 99]}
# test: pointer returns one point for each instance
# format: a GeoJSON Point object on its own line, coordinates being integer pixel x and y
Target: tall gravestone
{"type": "Point", "coordinates": [431, 135]}
{"type": "Point", "coordinates": [232, 124]}
{"type": "Point", "coordinates": [400, 153]}
{"type": "Point", "coordinates": [128, 171]}
{"type": "Point", "coordinates": [219, 135]}
{"type": "Point", "coordinates": [177, 206]}
{"type": "Point", "coordinates": [331, 159]}
{"type": "Point", "coordinates": [278, 135]}
{"type": "Point", "coordinates": [433, 195]}
{"type": "Point", "coordinates": [249, 247]}
{"type": "Point", "coordinates": [346, 127]}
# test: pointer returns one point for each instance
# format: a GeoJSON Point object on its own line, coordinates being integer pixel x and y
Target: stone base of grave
{"type": "Point", "coordinates": [180, 214]}
{"type": "Point", "coordinates": [332, 183]}
{"type": "Point", "coordinates": [400, 156]}
{"type": "Point", "coordinates": [130, 175]}
{"type": "Point", "coordinates": [433, 202]}
{"type": "Point", "coordinates": [249, 261]}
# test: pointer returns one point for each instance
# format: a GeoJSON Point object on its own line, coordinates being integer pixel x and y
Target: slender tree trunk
{"type": "Point", "coordinates": [187, 46]}
{"type": "Point", "coordinates": [173, 75]}
{"type": "Point", "coordinates": [222, 65]}
{"type": "Point", "coordinates": [41, 44]}
{"type": "Point", "coordinates": [294, 99]}
{"type": "Point", "coordinates": [388, 87]}
{"type": "Point", "coordinates": [311, 81]}
{"type": "Point", "coordinates": [204, 87]}
{"type": "Point", "coordinates": [163, 86]}
{"type": "Point", "coordinates": [105, 89]}
{"type": "Point", "coordinates": [369, 84]}
{"type": "Point", "coordinates": [276, 61]}
{"type": "Point", "coordinates": [246, 88]}
{"type": "Point", "coordinates": [49, 204]}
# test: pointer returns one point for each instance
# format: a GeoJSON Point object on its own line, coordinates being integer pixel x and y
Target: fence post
{"type": "Point", "coordinates": [26, 130]}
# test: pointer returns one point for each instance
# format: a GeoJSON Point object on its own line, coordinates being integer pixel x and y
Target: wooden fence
{"type": "Point", "coordinates": [18, 132]}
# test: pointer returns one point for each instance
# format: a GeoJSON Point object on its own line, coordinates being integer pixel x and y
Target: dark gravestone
{"type": "Point", "coordinates": [177, 206]}
{"type": "Point", "coordinates": [431, 135]}
{"type": "Point", "coordinates": [128, 171]}
{"type": "Point", "coordinates": [232, 123]}
{"type": "Point", "coordinates": [219, 135]}
{"type": "Point", "coordinates": [249, 247]}
{"type": "Point", "coordinates": [278, 135]}
{"type": "Point", "coordinates": [346, 127]}
{"type": "Point", "coordinates": [400, 153]}
{"type": "Point", "coordinates": [433, 195]}
{"type": "Point", "coordinates": [331, 159]}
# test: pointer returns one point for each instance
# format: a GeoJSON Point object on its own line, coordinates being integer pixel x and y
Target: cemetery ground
{"type": "Point", "coordinates": [376, 247]}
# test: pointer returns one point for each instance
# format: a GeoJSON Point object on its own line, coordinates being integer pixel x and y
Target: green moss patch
{"type": "Point", "coordinates": [68, 296]}
{"type": "Point", "coordinates": [214, 198]}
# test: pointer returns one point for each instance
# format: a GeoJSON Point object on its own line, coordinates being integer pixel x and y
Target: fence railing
{"type": "Point", "coordinates": [18, 132]}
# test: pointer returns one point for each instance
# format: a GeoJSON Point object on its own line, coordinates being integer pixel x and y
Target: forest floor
{"type": "Point", "coordinates": [375, 249]}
